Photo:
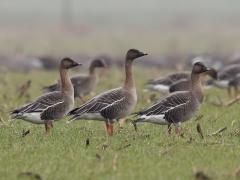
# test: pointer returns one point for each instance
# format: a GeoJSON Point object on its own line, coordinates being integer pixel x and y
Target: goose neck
{"type": "Point", "coordinates": [129, 81]}
{"type": "Point", "coordinates": [196, 87]}
{"type": "Point", "coordinates": [66, 84]}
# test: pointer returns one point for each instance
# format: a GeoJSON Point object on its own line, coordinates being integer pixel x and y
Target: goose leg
{"type": "Point", "coordinates": [178, 128]}
{"type": "Point", "coordinates": [48, 126]}
{"type": "Point", "coordinates": [229, 91]}
{"type": "Point", "coordinates": [235, 91]}
{"type": "Point", "coordinates": [109, 127]}
{"type": "Point", "coordinates": [169, 130]}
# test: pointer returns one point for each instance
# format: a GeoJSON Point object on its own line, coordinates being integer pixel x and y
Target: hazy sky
{"type": "Point", "coordinates": [118, 11]}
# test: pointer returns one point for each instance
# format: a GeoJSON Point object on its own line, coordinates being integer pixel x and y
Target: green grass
{"type": "Point", "coordinates": [147, 154]}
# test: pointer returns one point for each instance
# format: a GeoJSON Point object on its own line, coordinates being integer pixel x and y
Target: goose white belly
{"type": "Point", "coordinates": [222, 83]}
{"type": "Point", "coordinates": [155, 119]}
{"type": "Point", "coordinates": [32, 117]}
{"type": "Point", "coordinates": [158, 87]}
{"type": "Point", "coordinates": [92, 116]}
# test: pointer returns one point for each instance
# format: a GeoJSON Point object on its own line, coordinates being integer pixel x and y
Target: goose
{"type": "Point", "coordinates": [227, 74]}
{"type": "Point", "coordinates": [185, 84]}
{"type": "Point", "coordinates": [163, 84]}
{"type": "Point", "coordinates": [51, 106]}
{"type": "Point", "coordinates": [83, 84]}
{"type": "Point", "coordinates": [178, 106]}
{"type": "Point", "coordinates": [113, 104]}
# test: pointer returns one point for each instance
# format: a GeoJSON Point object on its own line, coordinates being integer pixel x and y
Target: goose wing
{"type": "Point", "coordinates": [42, 103]}
{"type": "Point", "coordinates": [168, 80]}
{"type": "Point", "coordinates": [167, 103]}
{"type": "Point", "coordinates": [79, 80]}
{"type": "Point", "coordinates": [181, 85]}
{"type": "Point", "coordinates": [101, 102]}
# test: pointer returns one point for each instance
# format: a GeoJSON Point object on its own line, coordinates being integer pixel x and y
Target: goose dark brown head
{"type": "Point", "coordinates": [98, 63]}
{"type": "Point", "coordinates": [68, 63]}
{"type": "Point", "coordinates": [133, 54]}
{"type": "Point", "coordinates": [199, 68]}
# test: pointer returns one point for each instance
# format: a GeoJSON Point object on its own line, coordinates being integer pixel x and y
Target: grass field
{"type": "Point", "coordinates": [147, 154]}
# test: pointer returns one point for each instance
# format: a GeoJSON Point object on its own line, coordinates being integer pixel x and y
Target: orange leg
{"type": "Point", "coordinates": [178, 130]}
{"type": "Point", "coordinates": [48, 126]}
{"type": "Point", "coordinates": [109, 128]}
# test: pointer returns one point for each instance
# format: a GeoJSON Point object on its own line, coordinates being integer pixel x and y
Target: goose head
{"type": "Point", "coordinates": [68, 63]}
{"type": "Point", "coordinates": [199, 68]}
{"type": "Point", "coordinates": [98, 63]}
{"type": "Point", "coordinates": [133, 54]}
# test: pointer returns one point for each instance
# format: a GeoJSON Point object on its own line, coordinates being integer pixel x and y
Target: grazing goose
{"type": "Point", "coordinates": [185, 84]}
{"type": "Point", "coordinates": [178, 106]}
{"type": "Point", "coordinates": [163, 84]}
{"type": "Point", "coordinates": [83, 84]}
{"type": "Point", "coordinates": [51, 106]}
{"type": "Point", "coordinates": [113, 104]}
{"type": "Point", "coordinates": [227, 74]}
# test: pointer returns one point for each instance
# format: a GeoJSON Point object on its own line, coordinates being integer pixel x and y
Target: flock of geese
{"type": "Point", "coordinates": [183, 101]}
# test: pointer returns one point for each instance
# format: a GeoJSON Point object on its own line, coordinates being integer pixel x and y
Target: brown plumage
{"type": "Point", "coordinates": [179, 106]}
{"type": "Point", "coordinates": [112, 104]}
{"type": "Point", "coordinates": [83, 84]}
{"type": "Point", "coordinates": [51, 106]}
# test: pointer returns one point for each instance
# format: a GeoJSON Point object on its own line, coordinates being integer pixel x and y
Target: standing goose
{"type": "Point", "coordinates": [112, 104]}
{"type": "Point", "coordinates": [83, 84]}
{"type": "Point", "coordinates": [185, 84]}
{"type": "Point", "coordinates": [163, 84]}
{"type": "Point", "coordinates": [178, 106]}
{"type": "Point", "coordinates": [51, 106]}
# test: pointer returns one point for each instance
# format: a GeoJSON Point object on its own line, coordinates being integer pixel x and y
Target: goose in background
{"type": "Point", "coordinates": [83, 84]}
{"type": "Point", "coordinates": [113, 104]}
{"type": "Point", "coordinates": [185, 84]}
{"type": "Point", "coordinates": [227, 74]}
{"type": "Point", "coordinates": [163, 84]}
{"type": "Point", "coordinates": [177, 107]}
{"type": "Point", "coordinates": [227, 77]}
{"type": "Point", "coordinates": [51, 106]}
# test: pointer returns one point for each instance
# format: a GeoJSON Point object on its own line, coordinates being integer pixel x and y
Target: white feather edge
{"type": "Point", "coordinates": [160, 118]}
{"type": "Point", "coordinates": [35, 117]}
{"type": "Point", "coordinates": [88, 116]}
{"type": "Point", "coordinates": [158, 87]}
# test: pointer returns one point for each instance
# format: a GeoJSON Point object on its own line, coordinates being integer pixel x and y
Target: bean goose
{"type": "Point", "coordinates": [227, 74]}
{"type": "Point", "coordinates": [83, 84]}
{"type": "Point", "coordinates": [185, 84]}
{"type": "Point", "coordinates": [113, 104]}
{"type": "Point", "coordinates": [51, 106]}
{"type": "Point", "coordinates": [163, 84]}
{"type": "Point", "coordinates": [178, 106]}
{"type": "Point", "coordinates": [226, 77]}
